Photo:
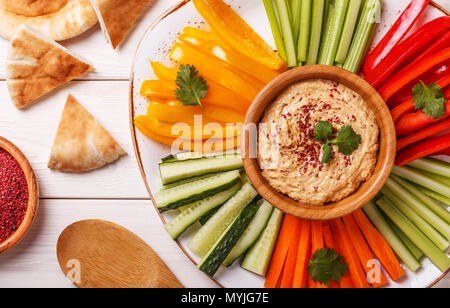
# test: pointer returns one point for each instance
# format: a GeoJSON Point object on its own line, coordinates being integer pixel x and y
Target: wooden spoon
{"type": "Point", "coordinates": [101, 254]}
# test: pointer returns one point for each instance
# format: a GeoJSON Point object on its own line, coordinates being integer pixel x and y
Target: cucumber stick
{"type": "Point", "coordinates": [208, 234]}
{"type": "Point", "coordinates": [251, 234]}
{"type": "Point", "coordinates": [258, 257]}
{"type": "Point", "coordinates": [316, 31]}
{"type": "Point", "coordinates": [305, 29]}
{"type": "Point", "coordinates": [220, 250]}
{"type": "Point", "coordinates": [188, 193]}
{"type": "Point", "coordinates": [183, 169]}
{"type": "Point", "coordinates": [347, 30]}
{"type": "Point", "coordinates": [195, 211]}
{"type": "Point", "coordinates": [189, 180]}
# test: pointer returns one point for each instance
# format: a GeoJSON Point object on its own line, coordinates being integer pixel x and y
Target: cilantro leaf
{"type": "Point", "coordinates": [327, 153]}
{"type": "Point", "coordinates": [347, 140]}
{"type": "Point", "coordinates": [192, 88]}
{"type": "Point", "coordinates": [323, 131]}
{"type": "Point", "coordinates": [326, 266]}
{"type": "Point", "coordinates": [430, 99]}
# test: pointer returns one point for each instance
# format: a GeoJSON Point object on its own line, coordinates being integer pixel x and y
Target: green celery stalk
{"type": "Point", "coordinates": [316, 31]}
{"type": "Point", "coordinates": [276, 32]}
{"type": "Point", "coordinates": [391, 237]}
{"type": "Point", "coordinates": [296, 9]}
{"type": "Point", "coordinates": [430, 203]}
{"type": "Point", "coordinates": [432, 165]}
{"type": "Point", "coordinates": [418, 221]}
{"type": "Point", "coordinates": [286, 28]}
{"type": "Point", "coordinates": [304, 31]}
{"type": "Point", "coordinates": [334, 32]}
{"type": "Point", "coordinates": [348, 30]}
{"type": "Point", "coordinates": [363, 36]}
{"type": "Point", "coordinates": [419, 239]}
{"type": "Point", "coordinates": [418, 207]}
{"type": "Point", "coordinates": [418, 178]}
{"type": "Point", "coordinates": [437, 177]}
{"type": "Point", "coordinates": [410, 245]}
{"type": "Point", "coordinates": [434, 195]}
{"type": "Point", "coordinates": [326, 26]}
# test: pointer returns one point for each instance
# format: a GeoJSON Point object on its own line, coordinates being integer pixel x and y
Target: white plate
{"type": "Point", "coordinates": [155, 46]}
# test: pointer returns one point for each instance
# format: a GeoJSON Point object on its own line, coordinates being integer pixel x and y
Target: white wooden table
{"type": "Point", "coordinates": [115, 193]}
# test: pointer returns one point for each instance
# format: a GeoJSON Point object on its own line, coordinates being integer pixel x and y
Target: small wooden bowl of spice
{"type": "Point", "coordinates": [19, 195]}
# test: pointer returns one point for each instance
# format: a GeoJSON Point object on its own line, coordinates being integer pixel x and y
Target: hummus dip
{"type": "Point", "coordinates": [289, 155]}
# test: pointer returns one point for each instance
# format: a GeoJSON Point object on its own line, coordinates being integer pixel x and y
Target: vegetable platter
{"type": "Point", "coordinates": [156, 45]}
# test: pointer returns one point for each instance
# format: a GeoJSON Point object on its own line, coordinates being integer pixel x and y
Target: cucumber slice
{"type": "Point", "coordinates": [189, 180]}
{"type": "Point", "coordinates": [217, 254]}
{"type": "Point", "coordinates": [208, 215]}
{"type": "Point", "coordinates": [185, 194]}
{"type": "Point", "coordinates": [251, 234]}
{"type": "Point", "coordinates": [208, 234]}
{"type": "Point", "coordinates": [258, 257]}
{"type": "Point", "coordinates": [195, 211]}
{"type": "Point", "coordinates": [184, 169]}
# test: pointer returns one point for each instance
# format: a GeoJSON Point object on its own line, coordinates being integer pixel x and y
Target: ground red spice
{"type": "Point", "coordinates": [13, 195]}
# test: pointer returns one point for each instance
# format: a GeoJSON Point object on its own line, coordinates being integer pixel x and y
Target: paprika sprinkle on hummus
{"type": "Point", "coordinates": [13, 195]}
{"type": "Point", "coordinates": [318, 142]}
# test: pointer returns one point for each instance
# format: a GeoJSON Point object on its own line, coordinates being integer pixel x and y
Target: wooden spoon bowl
{"type": "Point", "coordinates": [386, 153]}
{"type": "Point", "coordinates": [33, 195]}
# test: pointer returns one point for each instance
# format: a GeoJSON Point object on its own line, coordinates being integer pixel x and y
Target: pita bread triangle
{"type": "Point", "coordinates": [36, 65]}
{"type": "Point", "coordinates": [81, 143]}
{"type": "Point", "coordinates": [118, 16]}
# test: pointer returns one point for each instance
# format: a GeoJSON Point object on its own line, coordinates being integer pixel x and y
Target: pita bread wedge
{"type": "Point", "coordinates": [36, 65]}
{"type": "Point", "coordinates": [57, 19]}
{"type": "Point", "coordinates": [117, 17]}
{"type": "Point", "coordinates": [81, 143]}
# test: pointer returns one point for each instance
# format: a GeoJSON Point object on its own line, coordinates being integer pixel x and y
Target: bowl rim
{"type": "Point", "coordinates": [33, 195]}
{"type": "Point", "coordinates": [385, 157]}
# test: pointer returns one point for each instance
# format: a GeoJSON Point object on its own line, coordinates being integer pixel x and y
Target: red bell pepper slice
{"type": "Point", "coordinates": [408, 106]}
{"type": "Point", "coordinates": [443, 152]}
{"type": "Point", "coordinates": [429, 146]}
{"type": "Point", "coordinates": [395, 35]}
{"type": "Point", "coordinates": [412, 47]}
{"type": "Point", "coordinates": [424, 133]}
{"type": "Point", "coordinates": [409, 73]}
{"type": "Point", "coordinates": [412, 122]}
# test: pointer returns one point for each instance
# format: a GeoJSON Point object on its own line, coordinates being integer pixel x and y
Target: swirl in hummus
{"type": "Point", "coordinates": [290, 156]}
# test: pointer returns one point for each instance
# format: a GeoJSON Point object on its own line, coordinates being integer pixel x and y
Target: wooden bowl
{"type": "Point", "coordinates": [33, 195]}
{"type": "Point", "coordinates": [386, 153]}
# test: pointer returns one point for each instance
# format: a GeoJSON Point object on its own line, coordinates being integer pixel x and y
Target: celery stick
{"type": "Point", "coordinates": [432, 165]}
{"type": "Point", "coordinates": [418, 178]}
{"type": "Point", "coordinates": [410, 245]}
{"type": "Point", "coordinates": [326, 26]}
{"type": "Point", "coordinates": [334, 32]}
{"type": "Point", "coordinates": [296, 9]}
{"type": "Point", "coordinates": [276, 32]}
{"type": "Point", "coordinates": [363, 36]}
{"type": "Point", "coordinates": [286, 28]}
{"type": "Point", "coordinates": [430, 203]}
{"type": "Point", "coordinates": [304, 31]}
{"type": "Point", "coordinates": [316, 31]}
{"type": "Point", "coordinates": [433, 194]}
{"type": "Point", "coordinates": [419, 239]}
{"type": "Point", "coordinates": [391, 237]}
{"type": "Point", "coordinates": [348, 30]}
{"type": "Point", "coordinates": [440, 178]}
{"type": "Point", "coordinates": [418, 221]}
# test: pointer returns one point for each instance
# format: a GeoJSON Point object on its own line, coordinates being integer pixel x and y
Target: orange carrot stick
{"type": "Point", "coordinates": [316, 244]}
{"type": "Point", "coordinates": [379, 246]}
{"type": "Point", "coordinates": [287, 278]}
{"type": "Point", "coordinates": [303, 254]}
{"type": "Point", "coordinates": [290, 224]}
{"type": "Point", "coordinates": [347, 250]}
{"type": "Point", "coordinates": [346, 282]}
{"type": "Point", "coordinates": [364, 254]}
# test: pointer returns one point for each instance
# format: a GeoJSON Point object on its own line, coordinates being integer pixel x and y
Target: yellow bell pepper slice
{"type": "Point", "coordinates": [238, 63]}
{"type": "Point", "coordinates": [217, 94]}
{"type": "Point", "coordinates": [206, 35]}
{"type": "Point", "coordinates": [212, 70]}
{"type": "Point", "coordinates": [236, 32]}
{"type": "Point", "coordinates": [158, 89]}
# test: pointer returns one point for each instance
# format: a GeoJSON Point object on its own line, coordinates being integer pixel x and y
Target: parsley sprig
{"type": "Point", "coordinates": [347, 139]}
{"type": "Point", "coordinates": [192, 87]}
{"type": "Point", "coordinates": [326, 266]}
{"type": "Point", "coordinates": [429, 98]}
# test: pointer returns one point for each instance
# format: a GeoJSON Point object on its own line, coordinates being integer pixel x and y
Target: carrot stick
{"type": "Point", "coordinates": [317, 243]}
{"type": "Point", "coordinates": [379, 246]}
{"type": "Point", "coordinates": [347, 250]}
{"type": "Point", "coordinates": [365, 255]}
{"type": "Point", "coordinates": [289, 267]}
{"type": "Point", "coordinates": [290, 224]}
{"type": "Point", "coordinates": [303, 254]}
{"type": "Point", "coordinates": [346, 282]}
